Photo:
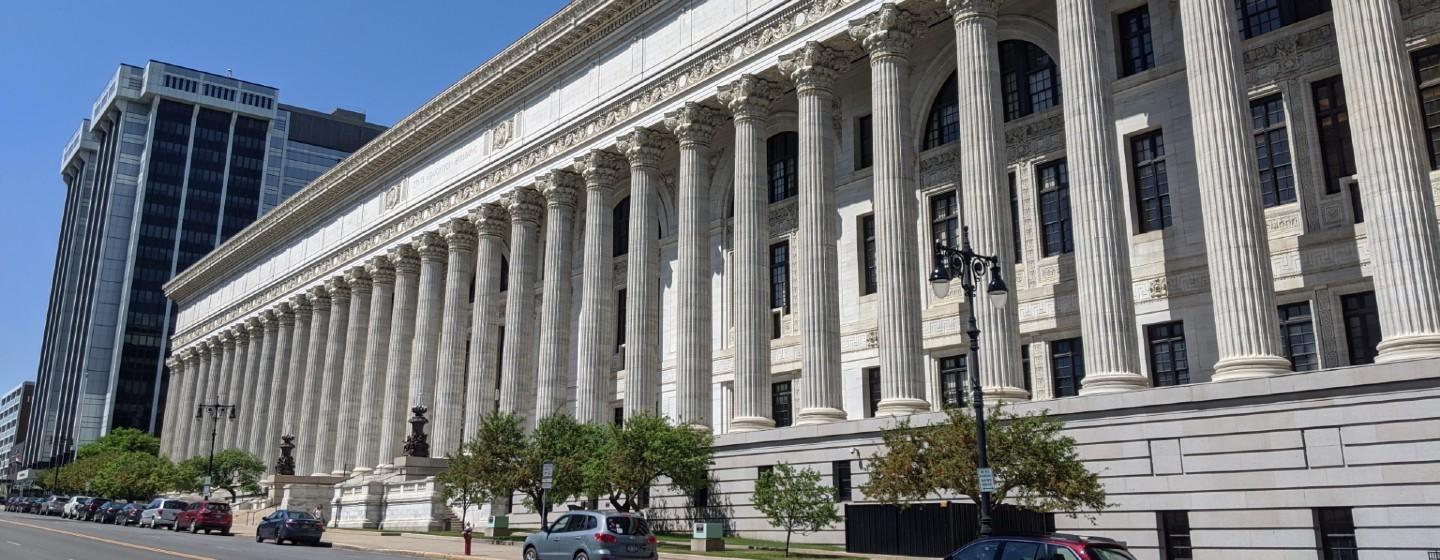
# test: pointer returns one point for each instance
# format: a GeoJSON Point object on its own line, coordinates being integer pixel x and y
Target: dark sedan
{"type": "Point", "coordinates": [290, 525]}
{"type": "Point", "coordinates": [130, 514]}
{"type": "Point", "coordinates": [108, 511]}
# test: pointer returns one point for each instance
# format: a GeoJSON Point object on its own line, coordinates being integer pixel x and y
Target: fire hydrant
{"type": "Point", "coordinates": [467, 535]}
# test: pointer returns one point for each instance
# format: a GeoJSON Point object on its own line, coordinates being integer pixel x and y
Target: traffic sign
{"type": "Point", "coordinates": [987, 480]}
{"type": "Point", "coordinates": [547, 475]}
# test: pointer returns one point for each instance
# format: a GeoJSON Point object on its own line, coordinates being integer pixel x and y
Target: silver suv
{"type": "Point", "coordinates": [586, 535]}
{"type": "Point", "coordinates": [161, 512]}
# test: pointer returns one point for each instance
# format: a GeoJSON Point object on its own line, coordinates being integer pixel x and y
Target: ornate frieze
{"type": "Point", "coordinates": [784, 219]}
{"type": "Point", "coordinates": [1290, 55]}
{"type": "Point", "coordinates": [1035, 137]}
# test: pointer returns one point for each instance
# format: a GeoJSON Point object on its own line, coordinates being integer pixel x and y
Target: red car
{"type": "Point", "coordinates": [1057, 546]}
{"type": "Point", "coordinates": [204, 515]}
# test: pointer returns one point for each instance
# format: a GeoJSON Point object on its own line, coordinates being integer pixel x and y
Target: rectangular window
{"type": "Point", "coordinates": [842, 480]}
{"type": "Point", "coordinates": [1169, 364]}
{"type": "Point", "coordinates": [1258, 17]}
{"type": "Point", "coordinates": [1025, 367]}
{"type": "Point", "coordinates": [952, 381]}
{"type": "Point", "coordinates": [1174, 535]}
{"type": "Point", "coordinates": [781, 159]}
{"type": "Point", "coordinates": [619, 416]}
{"type": "Point", "coordinates": [1362, 326]}
{"type": "Point", "coordinates": [1056, 235]}
{"type": "Point", "coordinates": [780, 276]}
{"type": "Point", "coordinates": [872, 391]}
{"type": "Point", "coordinates": [1337, 154]}
{"type": "Point", "coordinates": [780, 403]}
{"type": "Point", "coordinates": [1272, 151]}
{"type": "Point", "coordinates": [1297, 334]}
{"type": "Point", "coordinates": [1152, 187]}
{"type": "Point", "coordinates": [1427, 78]}
{"type": "Point", "coordinates": [1136, 53]}
{"type": "Point", "coordinates": [868, 283]}
{"type": "Point", "coordinates": [864, 142]}
{"type": "Point", "coordinates": [619, 319]}
{"type": "Point", "coordinates": [944, 221]}
{"type": "Point", "coordinates": [1067, 363]}
{"type": "Point", "coordinates": [1335, 531]}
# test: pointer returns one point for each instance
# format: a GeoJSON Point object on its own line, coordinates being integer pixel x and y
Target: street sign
{"type": "Point", "coordinates": [547, 475]}
{"type": "Point", "coordinates": [987, 480]}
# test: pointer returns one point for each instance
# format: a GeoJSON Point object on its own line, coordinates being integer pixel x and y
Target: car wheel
{"type": "Point", "coordinates": [530, 553]}
{"type": "Point", "coordinates": [582, 555]}
{"type": "Point", "coordinates": [278, 541]}
{"type": "Point", "coordinates": [258, 538]}
{"type": "Point", "coordinates": [194, 528]}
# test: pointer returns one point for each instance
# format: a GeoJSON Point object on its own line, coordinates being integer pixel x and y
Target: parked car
{"type": "Point", "coordinates": [1056, 546]}
{"type": "Point", "coordinates": [38, 506]}
{"type": "Point", "coordinates": [583, 535]}
{"type": "Point", "coordinates": [56, 505]}
{"type": "Point", "coordinates": [130, 514]}
{"type": "Point", "coordinates": [290, 525]}
{"type": "Point", "coordinates": [161, 513]}
{"type": "Point", "coordinates": [205, 516]}
{"type": "Point", "coordinates": [108, 511]}
{"type": "Point", "coordinates": [86, 510]}
{"type": "Point", "coordinates": [68, 510]}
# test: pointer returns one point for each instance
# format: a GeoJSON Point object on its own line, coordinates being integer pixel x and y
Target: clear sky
{"type": "Point", "coordinates": [383, 57]}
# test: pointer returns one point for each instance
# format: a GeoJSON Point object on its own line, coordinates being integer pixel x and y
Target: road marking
{"type": "Point", "coordinates": [108, 541]}
{"type": "Point", "coordinates": [13, 542]}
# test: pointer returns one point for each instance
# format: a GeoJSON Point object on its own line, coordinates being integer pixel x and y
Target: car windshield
{"type": "Point", "coordinates": [627, 526]}
{"type": "Point", "coordinates": [218, 508]}
{"type": "Point", "coordinates": [303, 516]}
{"type": "Point", "coordinates": [173, 504]}
{"type": "Point", "coordinates": [1103, 553]}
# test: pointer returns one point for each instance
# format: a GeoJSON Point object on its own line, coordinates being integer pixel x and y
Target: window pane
{"type": "Point", "coordinates": [1029, 79]}
{"type": "Point", "coordinates": [1136, 52]}
{"type": "Point", "coordinates": [1362, 326]}
{"type": "Point", "coordinates": [780, 403]}
{"type": "Point", "coordinates": [1068, 366]}
{"type": "Point", "coordinates": [1337, 155]}
{"type": "Point", "coordinates": [1152, 186]}
{"type": "Point", "coordinates": [942, 123]}
{"type": "Point", "coordinates": [1297, 334]}
{"type": "Point", "coordinates": [1055, 228]}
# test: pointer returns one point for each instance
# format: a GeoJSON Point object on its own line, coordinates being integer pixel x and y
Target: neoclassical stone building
{"type": "Point", "coordinates": [723, 211]}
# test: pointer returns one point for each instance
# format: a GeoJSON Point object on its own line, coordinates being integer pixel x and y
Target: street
{"type": "Point", "coordinates": [32, 537]}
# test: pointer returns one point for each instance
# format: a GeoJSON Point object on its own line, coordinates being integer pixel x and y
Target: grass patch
{"type": "Point", "coordinates": [478, 536]}
{"type": "Point", "coordinates": [753, 546]}
{"type": "Point", "coordinates": [751, 553]}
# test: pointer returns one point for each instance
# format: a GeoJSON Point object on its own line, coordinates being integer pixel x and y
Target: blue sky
{"type": "Point", "coordinates": [381, 57]}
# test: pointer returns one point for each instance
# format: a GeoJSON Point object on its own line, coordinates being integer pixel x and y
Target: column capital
{"type": "Point", "coordinates": [358, 279]}
{"type": "Point", "coordinates": [459, 234]}
{"type": "Point", "coordinates": [693, 124]}
{"type": "Point", "coordinates": [491, 220]}
{"type": "Point", "coordinates": [284, 314]}
{"type": "Point", "coordinates": [300, 304]}
{"type": "Point", "coordinates": [338, 288]}
{"type": "Point", "coordinates": [814, 66]}
{"type": "Point", "coordinates": [404, 259]}
{"type": "Point", "coordinates": [749, 97]}
{"type": "Point", "coordinates": [887, 32]}
{"type": "Point", "coordinates": [601, 169]}
{"type": "Point", "coordinates": [380, 270]}
{"type": "Point", "coordinates": [254, 326]}
{"type": "Point", "coordinates": [227, 338]}
{"type": "Point", "coordinates": [525, 205]}
{"type": "Point", "coordinates": [173, 362]}
{"type": "Point", "coordinates": [643, 147]}
{"type": "Point", "coordinates": [430, 246]}
{"type": "Point", "coordinates": [319, 299]}
{"type": "Point", "coordinates": [962, 10]}
{"type": "Point", "coordinates": [561, 188]}
{"type": "Point", "coordinates": [186, 354]}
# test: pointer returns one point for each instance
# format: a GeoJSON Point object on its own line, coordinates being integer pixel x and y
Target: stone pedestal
{"type": "Point", "coordinates": [300, 492]}
{"type": "Point", "coordinates": [357, 505]}
{"type": "Point", "coordinates": [414, 468]}
{"type": "Point", "coordinates": [413, 505]}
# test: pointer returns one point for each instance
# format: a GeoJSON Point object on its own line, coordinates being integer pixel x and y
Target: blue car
{"type": "Point", "coordinates": [290, 525]}
{"type": "Point", "coordinates": [593, 535]}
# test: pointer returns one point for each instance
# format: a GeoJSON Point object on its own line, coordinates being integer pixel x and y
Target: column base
{"type": "Point", "coordinates": [750, 423]}
{"type": "Point", "coordinates": [820, 415]}
{"type": "Point", "coordinates": [1004, 394]}
{"type": "Point", "coordinates": [317, 473]}
{"type": "Point", "coordinates": [1113, 382]}
{"type": "Point", "coordinates": [1250, 367]}
{"type": "Point", "coordinates": [361, 471]}
{"type": "Point", "coordinates": [339, 473]}
{"type": "Point", "coordinates": [1409, 347]}
{"type": "Point", "coordinates": [901, 407]}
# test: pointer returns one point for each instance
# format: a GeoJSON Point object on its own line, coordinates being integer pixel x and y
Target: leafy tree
{"type": "Point", "coordinates": [488, 467]}
{"type": "Point", "coordinates": [461, 481]}
{"type": "Point", "coordinates": [1035, 466]}
{"type": "Point", "coordinates": [633, 457]}
{"type": "Point", "coordinates": [235, 471]}
{"type": "Point", "coordinates": [71, 478]}
{"type": "Point", "coordinates": [795, 500]}
{"type": "Point", "coordinates": [133, 475]}
{"type": "Point", "coordinates": [570, 446]}
{"type": "Point", "coordinates": [121, 440]}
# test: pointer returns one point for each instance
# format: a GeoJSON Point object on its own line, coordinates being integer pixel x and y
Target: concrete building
{"type": "Point", "coordinates": [170, 163]}
{"type": "Point", "coordinates": [1223, 259]}
{"type": "Point", "coordinates": [14, 419]}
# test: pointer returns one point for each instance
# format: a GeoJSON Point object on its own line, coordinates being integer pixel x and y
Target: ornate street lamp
{"type": "Point", "coordinates": [970, 268]}
{"type": "Point", "coordinates": [216, 412]}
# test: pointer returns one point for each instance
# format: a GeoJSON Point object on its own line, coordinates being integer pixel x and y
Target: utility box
{"type": "Point", "coordinates": [497, 526]}
{"type": "Point", "coordinates": [708, 536]}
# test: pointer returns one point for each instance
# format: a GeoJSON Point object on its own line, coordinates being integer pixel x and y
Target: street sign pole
{"type": "Point", "coordinates": [547, 481]}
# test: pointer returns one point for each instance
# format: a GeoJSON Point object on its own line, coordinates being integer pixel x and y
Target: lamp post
{"type": "Point", "coordinates": [216, 412]}
{"type": "Point", "coordinates": [970, 267]}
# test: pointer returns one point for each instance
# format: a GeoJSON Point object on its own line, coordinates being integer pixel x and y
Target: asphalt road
{"type": "Point", "coordinates": [32, 537]}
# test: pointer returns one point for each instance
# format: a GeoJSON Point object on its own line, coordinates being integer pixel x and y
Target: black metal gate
{"type": "Point", "coordinates": [931, 529]}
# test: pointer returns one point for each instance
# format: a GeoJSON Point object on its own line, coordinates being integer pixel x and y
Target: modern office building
{"type": "Point", "coordinates": [169, 163]}
{"type": "Point", "coordinates": [15, 408]}
{"type": "Point", "coordinates": [725, 211]}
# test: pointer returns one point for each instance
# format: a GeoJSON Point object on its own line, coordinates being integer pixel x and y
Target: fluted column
{"type": "Point", "coordinates": [184, 405]}
{"type": "Point", "coordinates": [279, 382]}
{"type": "Point", "coordinates": [306, 422]}
{"type": "Point", "coordinates": [749, 99]}
{"type": "Point", "coordinates": [220, 390]}
{"type": "Point", "coordinates": [174, 403]}
{"type": "Point", "coordinates": [1237, 249]}
{"type": "Point", "coordinates": [205, 352]}
{"type": "Point", "coordinates": [377, 355]}
{"type": "Point", "coordinates": [1102, 246]}
{"type": "Point", "coordinates": [393, 426]}
{"type": "Point", "coordinates": [492, 222]}
{"type": "Point", "coordinates": [813, 68]}
{"type": "Point", "coordinates": [259, 405]}
{"type": "Point", "coordinates": [213, 376]}
{"type": "Point", "coordinates": [449, 398]}
{"type": "Point", "coordinates": [255, 332]}
{"type": "Point", "coordinates": [1394, 180]}
{"type": "Point", "coordinates": [235, 394]}
{"type": "Point", "coordinates": [332, 370]}
{"type": "Point", "coordinates": [429, 311]}
{"type": "Point", "coordinates": [562, 193]}
{"type": "Point", "coordinates": [517, 377]}
{"type": "Point", "coordinates": [888, 35]}
{"type": "Point", "coordinates": [694, 127]}
{"type": "Point", "coordinates": [643, 148]}
{"type": "Point", "coordinates": [601, 171]}
{"type": "Point", "coordinates": [352, 380]}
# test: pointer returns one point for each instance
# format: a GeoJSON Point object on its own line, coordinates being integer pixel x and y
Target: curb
{"type": "Point", "coordinates": [414, 553]}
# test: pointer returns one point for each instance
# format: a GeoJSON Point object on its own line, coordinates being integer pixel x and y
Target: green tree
{"type": "Point", "coordinates": [121, 440]}
{"type": "Point", "coordinates": [1035, 465]}
{"type": "Point", "coordinates": [633, 457]}
{"type": "Point", "coordinates": [461, 482]}
{"type": "Point", "coordinates": [133, 475]}
{"type": "Point", "coordinates": [235, 471]}
{"type": "Point", "coordinates": [795, 500]}
{"type": "Point", "coordinates": [570, 446]}
{"type": "Point", "coordinates": [493, 461]}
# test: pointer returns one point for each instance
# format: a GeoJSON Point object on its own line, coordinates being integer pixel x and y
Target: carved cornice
{"type": "Point", "coordinates": [526, 205]}
{"type": "Point", "coordinates": [749, 97]}
{"type": "Point", "coordinates": [561, 189]}
{"type": "Point", "coordinates": [887, 32]}
{"type": "Point", "coordinates": [459, 234]}
{"type": "Point", "coordinates": [643, 147]}
{"type": "Point", "coordinates": [813, 67]}
{"type": "Point", "coordinates": [491, 220]}
{"type": "Point", "coordinates": [693, 124]}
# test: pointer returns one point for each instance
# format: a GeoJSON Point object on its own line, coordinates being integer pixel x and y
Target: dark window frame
{"type": "Point", "coordinates": [953, 372]}
{"type": "Point", "coordinates": [1426, 63]}
{"type": "Point", "coordinates": [871, 377]}
{"type": "Point", "coordinates": [1332, 124]}
{"type": "Point", "coordinates": [944, 221]}
{"type": "Point", "coordinates": [1258, 17]}
{"type": "Point", "coordinates": [1052, 183]}
{"type": "Point", "coordinates": [1335, 533]}
{"type": "Point", "coordinates": [1272, 150]}
{"type": "Point", "coordinates": [942, 122]}
{"type": "Point", "coordinates": [1151, 181]}
{"type": "Point", "coordinates": [782, 166]}
{"type": "Point", "coordinates": [780, 276]}
{"type": "Point", "coordinates": [1029, 79]}
{"type": "Point", "coordinates": [1137, 50]}
{"type": "Point", "coordinates": [1067, 366]}
{"type": "Point", "coordinates": [1361, 313]}
{"type": "Point", "coordinates": [1169, 356]}
{"type": "Point", "coordinates": [1174, 529]}
{"type": "Point", "coordinates": [841, 479]}
{"type": "Point", "coordinates": [869, 280]}
{"type": "Point", "coordinates": [782, 403]}
{"type": "Point", "coordinates": [1297, 336]}
{"type": "Point", "coordinates": [864, 142]}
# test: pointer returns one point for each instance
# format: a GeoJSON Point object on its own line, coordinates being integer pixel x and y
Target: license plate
{"type": "Point", "coordinates": [632, 548]}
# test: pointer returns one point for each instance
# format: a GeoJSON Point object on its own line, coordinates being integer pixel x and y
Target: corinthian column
{"type": "Point", "coordinates": [1102, 247]}
{"type": "Point", "coordinates": [428, 314]}
{"type": "Point", "coordinates": [491, 222]}
{"type": "Point", "coordinates": [334, 369]}
{"type": "Point", "coordinates": [601, 171]}
{"type": "Point", "coordinates": [352, 383]}
{"type": "Point", "coordinates": [259, 405]}
{"type": "Point", "coordinates": [307, 422]}
{"type": "Point", "coordinates": [1242, 288]}
{"type": "Point", "coordinates": [749, 98]}
{"type": "Point", "coordinates": [177, 416]}
{"type": "Point", "coordinates": [377, 355]}
{"type": "Point", "coordinates": [204, 363]}
{"type": "Point", "coordinates": [562, 192]}
{"type": "Point", "coordinates": [449, 399]}
{"type": "Point", "coordinates": [517, 377]}
{"type": "Point", "coordinates": [220, 388]}
{"type": "Point", "coordinates": [256, 331]}
{"type": "Point", "coordinates": [174, 381]}
{"type": "Point", "coordinates": [643, 148]}
{"type": "Point", "coordinates": [397, 370]}
{"type": "Point", "coordinates": [1394, 182]}
{"type": "Point", "coordinates": [813, 68]}
{"type": "Point", "coordinates": [235, 386]}
{"type": "Point", "coordinates": [300, 348]}
{"type": "Point", "coordinates": [888, 34]}
{"type": "Point", "coordinates": [279, 383]}
{"type": "Point", "coordinates": [694, 127]}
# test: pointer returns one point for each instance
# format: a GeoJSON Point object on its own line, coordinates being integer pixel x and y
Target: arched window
{"type": "Point", "coordinates": [1028, 78]}
{"type": "Point", "coordinates": [781, 151]}
{"type": "Point", "coordinates": [942, 125]}
{"type": "Point", "coordinates": [620, 236]}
